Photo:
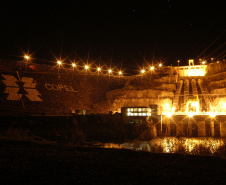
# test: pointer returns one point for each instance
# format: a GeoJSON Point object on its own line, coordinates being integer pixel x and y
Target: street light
{"type": "Point", "coordinates": [178, 67]}
{"type": "Point", "coordinates": [59, 62]}
{"type": "Point", "coordinates": [26, 57]}
{"type": "Point", "coordinates": [73, 66]}
{"type": "Point", "coordinates": [178, 63]}
{"type": "Point", "coordinates": [142, 71]}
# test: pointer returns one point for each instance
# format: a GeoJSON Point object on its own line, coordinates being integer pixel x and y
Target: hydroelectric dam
{"type": "Point", "coordinates": [176, 100]}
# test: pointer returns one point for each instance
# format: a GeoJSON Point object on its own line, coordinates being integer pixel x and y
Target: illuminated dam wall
{"type": "Point", "coordinates": [183, 105]}
{"type": "Point", "coordinates": [40, 89]}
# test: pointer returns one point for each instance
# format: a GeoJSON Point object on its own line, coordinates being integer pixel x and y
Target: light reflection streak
{"type": "Point", "coordinates": [194, 146]}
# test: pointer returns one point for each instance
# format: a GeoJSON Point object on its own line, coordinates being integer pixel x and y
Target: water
{"type": "Point", "coordinates": [194, 146]}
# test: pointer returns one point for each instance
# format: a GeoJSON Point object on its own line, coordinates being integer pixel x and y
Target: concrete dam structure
{"type": "Point", "coordinates": [44, 90]}
{"type": "Point", "coordinates": [178, 101]}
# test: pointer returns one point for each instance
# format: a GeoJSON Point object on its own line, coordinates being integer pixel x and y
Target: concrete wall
{"type": "Point", "coordinates": [42, 90]}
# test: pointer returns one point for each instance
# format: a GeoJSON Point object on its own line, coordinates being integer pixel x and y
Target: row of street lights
{"type": "Point", "coordinates": [87, 67]}
{"type": "Point", "coordinates": [98, 69]}
{"type": "Point", "coordinates": [151, 68]}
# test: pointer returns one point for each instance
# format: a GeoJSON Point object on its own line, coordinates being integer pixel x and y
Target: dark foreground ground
{"type": "Point", "coordinates": [23, 162]}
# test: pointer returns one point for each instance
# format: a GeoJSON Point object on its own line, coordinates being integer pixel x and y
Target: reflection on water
{"type": "Point", "coordinates": [196, 146]}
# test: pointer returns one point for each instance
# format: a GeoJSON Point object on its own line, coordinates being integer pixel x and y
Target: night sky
{"type": "Point", "coordinates": [124, 33]}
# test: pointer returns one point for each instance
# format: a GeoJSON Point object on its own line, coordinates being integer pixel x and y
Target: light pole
{"type": "Point", "coordinates": [152, 68]}
{"type": "Point", "coordinates": [27, 59]}
{"type": "Point", "coordinates": [142, 72]}
{"type": "Point", "coordinates": [59, 64]}
{"type": "Point", "coordinates": [178, 66]}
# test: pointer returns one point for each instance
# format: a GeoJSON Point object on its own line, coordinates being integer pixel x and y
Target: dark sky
{"type": "Point", "coordinates": [124, 32]}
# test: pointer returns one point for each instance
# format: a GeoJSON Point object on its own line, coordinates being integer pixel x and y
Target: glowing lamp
{"type": "Point", "coordinates": [142, 71]}
{"type": "Point", "coordinates": [152, 68]}
{"type": "Point", "coordinates": [167, 105]}
{"type": "Point", "coordinates": [173, 109]}
{"type": "Point", "coordinates": [59, 62]}
{"type": "Point", "coordinates": [160, 65]}
{"type": "Point", "coordinates": [190, 114]}
{"type": "Point", "coordinates": [73, 65]}
{"type": "Point", "coordinates": [120, 72]}
{"type": "Point", "coordinates": [109, 71]}
{"type": "Point", "coordinates": [212, 115]}
{"type": "Point", "coordinates": [169, 115]}
{"type": "Point", "coordinates": [86, 67]}
{"type": "Point", "coordinates": [98, 69]}
{"type": "Point", "coordinates": [26, 57]}
{"type": "Point", "coordinates": [224, 105]}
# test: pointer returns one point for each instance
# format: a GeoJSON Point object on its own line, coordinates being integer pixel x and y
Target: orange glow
{"type": "Point", "coordinates": [59, 62]}
{"type": "Point", "coordinates": [152, 68]}
{"type": "Point", "coordinates": [109, 71]}
{"type": "Point", "coordinates": [26, 57]}
{"type": "Point", "coordinates": [98, 69]}
{"type": "Point", "coordinates": [86, 67]}
{"type": "Point", "coordinates": [212, 114]}
{"type": "Point", "coordinates": [142, 71]}
{"type": "Point", "coordinates": [73, 65]}
{"type": "Point", "coordinates": [190, 114]}
{"type": "Point", "coordinates": [120, 72]}
{"type": "Point", "coordinates": [173, 145]}
{"type": "Point", "coordinates": [169, 114]}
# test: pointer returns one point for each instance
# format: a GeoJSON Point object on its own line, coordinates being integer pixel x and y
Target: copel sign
{"type": "Point", "coordinates": [59, 87]}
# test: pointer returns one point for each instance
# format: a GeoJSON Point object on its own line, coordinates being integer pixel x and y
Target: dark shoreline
{"type": "Point", "coordinates": [25, 162]}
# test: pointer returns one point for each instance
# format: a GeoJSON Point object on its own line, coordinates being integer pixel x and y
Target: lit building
{"type": "Point", "coordinates": [136, 115]}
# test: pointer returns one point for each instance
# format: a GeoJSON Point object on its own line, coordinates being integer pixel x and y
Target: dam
{"type": "Point", "coordinates": [175, 100]}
